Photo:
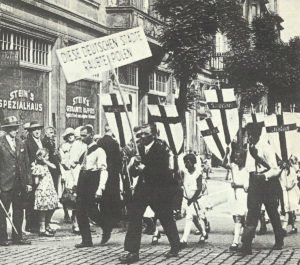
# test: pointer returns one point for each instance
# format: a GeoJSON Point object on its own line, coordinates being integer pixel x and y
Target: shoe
{"type": "Point", "coordinates": [21, 242]}
{"type": "Point", "coordinates": [234, 247]}
{"type": "Point", "coordinates": [129, 258]}
{"type": "Point", "coordinates": [284, 232]}
{"type": "Point", "coordinates": [84, 245]}
{"type": "Point", "coordinates": [244, 251]}
{"type": "Point", "coordinates": [183, 245]}
{"type": "Point", "coordinates": [171, 254]}
{"type": "Point", "coordinates": [67, 220]}
{"type": "Point", "coordinates": [50, 230]}
{"type": "Point", "coordinates": [278, 246]}
{"type": "Point", "coordinates": [294, 230]}
{"type": "Point", "coordinates": [202, 239]}
{"type": "Point", "coordinates": [207, 227]}
{"type": "Point", "coordinates": [75, 230]}
{"type": "Point", "coordinates": [261, 232]}
{"type": "Point", "coordinates": [46, 234]}
{"type": "Point", "coordinates": [4, 243]}
{"type": "Point", "coordinates": [105, 237]}
{"type": "Point", "coordinates": [155, 239]}
{"type": "Point", "coordinates": [198, 233]}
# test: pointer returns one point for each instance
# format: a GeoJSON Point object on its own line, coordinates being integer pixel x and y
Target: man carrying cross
{"type": "Point", "coordinates": [156, 188]}
{"type": "Point", "coordinates": [264, 188]}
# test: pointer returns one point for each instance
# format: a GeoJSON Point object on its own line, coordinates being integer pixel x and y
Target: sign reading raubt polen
{"type": "Point", "coordinates": [92, 57]}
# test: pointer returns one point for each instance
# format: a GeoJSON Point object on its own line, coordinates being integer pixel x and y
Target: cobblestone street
{"type": "Point", "coordinates": [61, 250]}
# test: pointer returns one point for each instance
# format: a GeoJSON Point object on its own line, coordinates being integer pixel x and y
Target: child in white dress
{"type": "Point", "coordinates": [238, 197]}
{"type": "Point", "coordinates": [193, 189]}
{"type": "Point", "coordinates": [46, 199]}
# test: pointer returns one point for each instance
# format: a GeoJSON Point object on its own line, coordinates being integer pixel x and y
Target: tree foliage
{"type": "Point", "coordinates": [190, 27]}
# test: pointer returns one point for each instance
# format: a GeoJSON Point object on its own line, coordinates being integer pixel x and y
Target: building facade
{"type": "Point", "coordinates": [36, 89]}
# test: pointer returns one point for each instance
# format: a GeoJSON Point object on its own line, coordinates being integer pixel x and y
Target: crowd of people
{"type": "Point", "coordinates": [97, 181]}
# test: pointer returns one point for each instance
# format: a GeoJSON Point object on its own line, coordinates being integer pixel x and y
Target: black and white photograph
{"type": "Point", "coordinates": [149, 132]}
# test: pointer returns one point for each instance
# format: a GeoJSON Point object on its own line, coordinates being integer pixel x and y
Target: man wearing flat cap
{"type": "Point", "coordinates": [33, 144]}
{"type": "Point", "coordinates": [15, 180]}
{"type": "Point", "coordinates": [264, 188]}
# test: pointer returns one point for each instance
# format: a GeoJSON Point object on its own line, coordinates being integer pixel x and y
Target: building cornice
{"type": "Point", "coordinates": [66, 14]}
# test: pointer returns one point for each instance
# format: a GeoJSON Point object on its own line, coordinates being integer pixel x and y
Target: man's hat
{"type": "Point", "coordinates": [10, 121]}
{"type": "Point", "coordinates": [34, 125]}
{"type": "Point", "coordinates": [68, 131]}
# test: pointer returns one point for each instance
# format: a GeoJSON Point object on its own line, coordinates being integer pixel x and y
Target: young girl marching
{"type": "Point", "coordinates": [238, 196]}
{"type": "Point", "coordinates": [291, 194]}
{"type": "Point", "coordinates": [46, 199]}
{"type": "Point", "coordinates": [193, 189]}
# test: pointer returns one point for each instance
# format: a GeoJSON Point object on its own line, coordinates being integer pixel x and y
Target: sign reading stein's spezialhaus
{"type": "Point", "coordinates": [21, 99]}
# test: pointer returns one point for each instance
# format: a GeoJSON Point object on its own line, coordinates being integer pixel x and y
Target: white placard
{"type": "Point", "coordinates": [88, 58]}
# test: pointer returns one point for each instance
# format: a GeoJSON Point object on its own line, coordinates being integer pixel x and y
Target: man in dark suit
{"type": "Point", "coordinates": [156, 187]}
{"type": "Point", "coordinates": [33, 143]}
{"type": "Point", "coordinates": [110, 203]}
{"type": "Point", "coordinates": [15, 180]}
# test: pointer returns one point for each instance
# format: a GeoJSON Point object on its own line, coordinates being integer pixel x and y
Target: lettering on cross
{"type": "Point", "coordinates": [223, 106]}
{"type": "Point", "coordinates": [213, 131]}
{"type": "Point", "coordinates": [281, 129]}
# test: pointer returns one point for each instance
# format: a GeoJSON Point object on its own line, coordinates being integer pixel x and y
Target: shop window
{"type": "Point", "coordinates": [32, 50]}
{"type": "Point", "coordinates": [158, 81]}
{"type": "Point", "coordinates": [128, 75]}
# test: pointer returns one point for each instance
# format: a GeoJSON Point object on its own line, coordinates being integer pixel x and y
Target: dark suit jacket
{"type": "Point", "coordinates": [32, 148]}
{"type": "Point", "coordinates": [14, 166]}
{"type": "Point", "coordinates": [113, 160]}
{"type": "Point", "coordinates": [156, 161]}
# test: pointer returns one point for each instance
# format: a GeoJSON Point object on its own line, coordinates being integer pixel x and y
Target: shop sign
{"type": "Point", "coordinates": [85, 59]}
{"type": "Point", "coordinates": [80, 108]}
{"type": "Point", "coordinates": [9, 58]}
{"type": "Point", "coordinates": [21, 99]}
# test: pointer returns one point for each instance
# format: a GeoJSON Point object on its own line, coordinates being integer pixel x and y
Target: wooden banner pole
{"type": "Point", "coordinates": [125, 107]}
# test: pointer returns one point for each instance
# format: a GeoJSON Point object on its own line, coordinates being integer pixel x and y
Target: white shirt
{"type": "Point", "coordinates": [190, 182]}
{"type": "Point", "coordinates": [38, 142]}
{"type": "Point", "coordinates": [12, 142]}
{"type": "Point", "coordinates": [147, 147]}
{"type": "Point", "coordinates": [94, 161]}
{"type": "Point", "coordinates": [268, 155]}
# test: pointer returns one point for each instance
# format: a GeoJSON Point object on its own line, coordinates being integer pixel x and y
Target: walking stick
{"type": "Point", "coordinates": [6, 213]}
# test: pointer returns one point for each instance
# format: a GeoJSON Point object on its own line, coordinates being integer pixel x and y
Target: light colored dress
{"type": "Point", "coordinates": [290, 189]}
{"type": "Point", "coordinates": [65, 167]}
{"type": "Point", "coordinates": [45, 195]}
{"type": "Point", "coordinates": [238, 199]}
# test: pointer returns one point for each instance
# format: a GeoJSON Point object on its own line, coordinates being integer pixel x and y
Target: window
{"type": "Point", "coordinates": [128, 75]}
{"type": "Point", "coordinates": [32, 50]}
{"type": "Point", "coordinates": [158, 81]}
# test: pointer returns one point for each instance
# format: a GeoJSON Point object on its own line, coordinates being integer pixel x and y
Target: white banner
{"type": "Point", "coordinates": [169, 126]}
{"type": "Point", "coordinates": [92, 57]}
{"type": "Point", "coordinates": [223, 107]}
{"type": "Point", "coordinates": [116, 116]}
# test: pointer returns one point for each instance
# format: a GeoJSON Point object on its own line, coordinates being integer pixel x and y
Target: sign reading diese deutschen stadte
{"type": "Point", "coordinates": [92, 57]}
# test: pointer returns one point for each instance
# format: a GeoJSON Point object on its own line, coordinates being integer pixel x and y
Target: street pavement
{"type": "Point", "coordinates": [60, 249]}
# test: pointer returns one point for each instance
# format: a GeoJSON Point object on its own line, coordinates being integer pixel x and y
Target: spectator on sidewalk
{"type": "Point", "coordinates": [65, 167]}
{"type": "Point", "coordinates": [33, 144]}
{"type": "Point", "coordinates": [49, 142]}
{"type": "Point", "coordinates": [15, 180]}
{"type": "Point", "coordinates": [46, 199]}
